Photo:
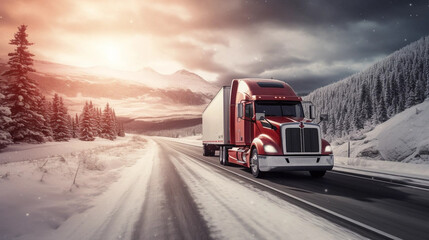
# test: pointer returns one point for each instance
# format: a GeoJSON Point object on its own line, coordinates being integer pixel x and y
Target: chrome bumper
{"type": "Point", "coordinates": [295, 163]}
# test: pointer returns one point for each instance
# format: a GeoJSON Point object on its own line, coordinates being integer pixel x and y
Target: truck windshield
{"type": "Point", "coordinates": [279, 108]}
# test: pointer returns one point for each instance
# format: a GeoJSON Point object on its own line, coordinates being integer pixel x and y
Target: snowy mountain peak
{"type": "Point", "coordinates": [187, 73]}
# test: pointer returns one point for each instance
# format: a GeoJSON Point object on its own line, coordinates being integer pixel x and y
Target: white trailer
{"type": "Point", "coordinates": [216, 122]}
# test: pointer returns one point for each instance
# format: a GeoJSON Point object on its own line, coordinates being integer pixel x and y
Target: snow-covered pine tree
{"type": "Point", "coordinates": [366, 103]}
{"type": "Point", "coordinates": [93, 114]}
{"type": "Point", "coordinates": [70, 125]}
{"type": "Point", "coordinates": [395, 96]}
{"type": "Point", "coordinates": [401, 90]}
{"type": "Point", "coordinates": [75, 120]}
{"type": "Point", "coordinates": [378, 96]}
{"type": "Point", "coordinates": [43, 109]}
{"type": "Point", "coordinates": [86, 133]}
{"type": "Point", "coordinates": [389, 99]}
{"type": "Point", "coordinates": [22, 92]}
{"type": "Point", "coordinates": [382, 111]}
{"type": "Point", "coordinates": [426, 74]}
{"type": "Point", "coordinates": [115, 122]}
{"type": "Point", "coordinates": [108, 127]}
{"type": "Point", "coordinates": [5, 121]}
{"type": "Point", "coordinates": [98, 127]}
{"type": "Point", "coordinates": [420, 89]}
{"type": "Point", "coordinates": [59, 120]}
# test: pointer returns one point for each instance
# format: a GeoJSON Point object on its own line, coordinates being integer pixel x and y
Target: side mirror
{"type": "Point", "coordinates": [312, 110]}
{"type": "Point", "coordinates": [323, 117]}
{"type": "Point", "coordinates": [260, 116]}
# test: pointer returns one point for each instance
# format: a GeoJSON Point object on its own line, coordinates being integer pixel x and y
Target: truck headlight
{"type": "Point", "coordinates": [270, 149]}
{"type": "Point", "coordinates": [328, 149]}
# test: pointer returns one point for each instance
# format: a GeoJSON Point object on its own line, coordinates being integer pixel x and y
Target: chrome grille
{"type": "Point", "coordinates": [299, 140]}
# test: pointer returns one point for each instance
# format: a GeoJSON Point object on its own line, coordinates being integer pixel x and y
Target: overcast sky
{"type": "Point", "coordinates": [306, 43]}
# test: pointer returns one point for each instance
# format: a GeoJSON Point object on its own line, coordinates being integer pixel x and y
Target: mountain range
{"type": "Point", "coordinates": [140, 98]}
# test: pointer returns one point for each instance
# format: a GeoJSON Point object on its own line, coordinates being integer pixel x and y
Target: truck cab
{"type": "Point", "coordinates": [268, 130]}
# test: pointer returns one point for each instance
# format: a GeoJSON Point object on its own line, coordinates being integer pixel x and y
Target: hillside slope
{"type": "Point", "coordinates": [374, 95]}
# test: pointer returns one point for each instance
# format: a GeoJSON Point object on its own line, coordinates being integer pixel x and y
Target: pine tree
{"type": "Point", "coordinates": [98, 116]}
{"type": "Point", "coordinates": [43, 109]}
{"type": "Point", "coordinates": [420, 90]}
{"type": "Point", "coordinates": [108, 127]}
{"type": "Point", "coordinates": [86, 132]}
{"type": "Point", "coordinates": [426, 75]}
{"type": "Point", "coordinates": [75, 129]}
{"type": "Point", "coordinates": [378, 96]}
{"type": "Point", "coordinates": [22, 93]}
{"type": "Point", "coordinates": [382, 111]}
{"type": "Point", "coordinates": [389, 99]}
{"type": "Point", "coordinates": [93, 114]}
{"type": "Point", "coordinates": [401, 90]}
{"type": "Point", "coordinates": [366, 103]}
{"type": "Point", "coordinates": [59, 121]}
{"type": "Point", "coordinates": [115, 122]}
{"type": "Point", "coordinates": [5, 121]}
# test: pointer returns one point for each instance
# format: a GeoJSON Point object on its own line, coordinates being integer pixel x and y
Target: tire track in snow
{"type": "Point", "coordinates": [169, 212]}
{"type": "Point", "coordinates": [192, 175]}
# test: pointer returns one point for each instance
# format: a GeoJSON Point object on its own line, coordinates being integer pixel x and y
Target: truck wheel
{"type": "Point", "coordinates": [317, 174]}
{"type": "Point", "coordinates": [205, 150]}
{"type": "Point", "coordinates": [223, 155]}
{"type": "Point", "coordinates": [254, 164]}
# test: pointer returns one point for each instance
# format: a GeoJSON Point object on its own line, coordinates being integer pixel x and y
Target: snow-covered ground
{"type": "Point", "coordinates": [26, 151]}
{"type": "Point", "coordinates": [190, 140]}
{"type": "Point", "coordinates": [60, 180]}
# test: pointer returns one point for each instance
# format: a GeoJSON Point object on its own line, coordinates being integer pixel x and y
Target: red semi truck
{"type": "Point", "coordinates": [260, 124]}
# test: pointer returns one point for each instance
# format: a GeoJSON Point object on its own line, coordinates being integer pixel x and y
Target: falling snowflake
{"type": "Point", "coordinates": [27, 214]}
{"type": "Point", "coordinates": [326, 190]}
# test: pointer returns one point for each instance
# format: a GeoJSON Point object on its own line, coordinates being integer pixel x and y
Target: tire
{"type": "Point", "coordinates": [205, 150]}
{"type": "Point", "coordinates": [254, 164]}
{"type": "Point", "coordinates": [317, 174]}
{"type": "Point", "coordinates": [223, 155]}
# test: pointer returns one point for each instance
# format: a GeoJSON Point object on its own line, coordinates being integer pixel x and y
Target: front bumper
{"type": "Point", "coordinates": [295, 163]}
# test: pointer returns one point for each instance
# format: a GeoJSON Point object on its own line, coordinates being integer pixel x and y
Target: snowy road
{"type": "Point", "coordinates": [390, 210]}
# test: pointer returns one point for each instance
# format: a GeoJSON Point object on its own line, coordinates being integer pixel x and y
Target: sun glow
{"type": "Point", "coordinates": [111, 55]}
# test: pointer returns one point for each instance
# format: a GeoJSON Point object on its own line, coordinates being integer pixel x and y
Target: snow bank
{"type": "Point", "coordinates": [38, 196]}
{"type": "Point", "coordinates": [403, 138]}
